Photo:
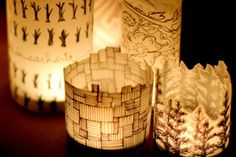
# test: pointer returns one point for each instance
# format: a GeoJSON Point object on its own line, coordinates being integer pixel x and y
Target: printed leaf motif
{"type": "Point", "coordinates": [170, 127]}
{"type": "Point", "coordinates": [202, 111]}
{"type": "Point", "coordinates": [204, 133]}
{"type": "Point", "coordinates": [209, 91]}
{"type": "Point", "coordinates": [169, 80]}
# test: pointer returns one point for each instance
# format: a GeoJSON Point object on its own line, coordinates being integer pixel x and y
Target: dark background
{"type": "Point", "coordinates": [208, 35]}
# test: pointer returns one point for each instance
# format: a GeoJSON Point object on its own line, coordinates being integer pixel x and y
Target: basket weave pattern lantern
{"type": "Point", "coordinates": [108, 101]}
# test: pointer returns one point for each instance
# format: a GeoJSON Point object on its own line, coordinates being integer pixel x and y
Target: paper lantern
{"type": "Point", "coordinates": [151, 29]}
{"type": "Point", "coordinates": [107, 23]}
{"type": "Point", "coordinates": [108, 101]}
{"type": "Point", "coordinates": [43, 37]}
{"type": "Point", "coordinates": [192, 112]}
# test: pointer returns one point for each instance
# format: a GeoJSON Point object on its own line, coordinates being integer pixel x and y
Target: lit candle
{"type": "Point", "coordinates": [45, 36]}
{"type": "Point", "coordinates": [108, 101]}
{"type": "Point", "coordinates": [151, 29]}
{"type": "Point", "coordinates": [107, 24]}
{"type": "Point", "coordinates": [192, 110]}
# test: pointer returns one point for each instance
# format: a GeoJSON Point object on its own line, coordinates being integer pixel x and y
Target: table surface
{"type": "Point", "coordinates": [23, 133]}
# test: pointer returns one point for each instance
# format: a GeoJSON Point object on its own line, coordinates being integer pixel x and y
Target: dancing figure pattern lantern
{"type": "Point", "coordinates": [44, 37]}
{"type": "Point", "coordinates": [192, 110]}
{"type": "Point", "coordinates": [107, 24]}
{"type": "Point", "coordinates": [151, 29]}
{"type": "Point", "coordinates": [108, 101]}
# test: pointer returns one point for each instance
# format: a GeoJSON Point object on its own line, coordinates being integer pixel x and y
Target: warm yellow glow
{"type": "Point", "coordinates": [44, 37]}
{"type": "Point", "coordinates": [107, 23]}
{"type": "Point", "coordinates": [192, 110]}
{"type": "Point", "coordinates": [108, 101]}
{"type": "Point", "coordinates": [151, 29]}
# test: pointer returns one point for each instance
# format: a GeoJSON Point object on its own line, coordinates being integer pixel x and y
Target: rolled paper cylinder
{"type": "Point", "coordinates": [107, 24]}
{"type": "Point", "coordinates": [192, 110]}
{"type": "Point", "coordinates": [151, 29]}
{"type": "Point", "coordinates": [108, 101]}
{"type": "Point", "coordinates": [44, 37]}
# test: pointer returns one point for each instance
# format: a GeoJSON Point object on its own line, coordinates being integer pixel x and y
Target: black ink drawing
{"type": "Point", "coordinates": [90, 5]}
{"type": "Point", "coordinates": [49, 81]}
{"type": "Point", "coordinates": [84, 6]}
{"type": "Point", "coordinates": [77, 35]}
{"type": "Point", "coordinates": [24, 8]}
{"type": "Point", "coordinates": [23, 76]}
{"type": "Point", "coordinates": [36, 35]}
{"type": "Point", "coordinates": [224, 123]}
{"type": "Point", "coordinates": [48, 13]}
{"type": "Point", "coordinates": [24, 33]}
{"type": "Point", "coordinates": [148, 35]}
{"type": "Point", "coordinates": [50, 36]}
{"type": "Point", "coordinates": [170, 124]}
{"type": "Point", "coordinates": [74, 9]}
{"type": "Point", "coordinates": [61, 11]}
{"type": "Point", "coordinates": [203, 134]}
{"type": "Point", "coordinates": [15, 10]}
{"type": "Point", "coordinates": [15, 25]}
{"type": "Point", "coordinates": [15, 69]}
{"type": "Point", "coordinates": [63, 37]}
{"type": "Point", "coordinates": [26, 100]}
{"type": "Point", "coordinates": [35, 80]}
{"type": "Point", "coordinates": [87, 30]}
{"type": "Point", "coordinates": [36, 9]}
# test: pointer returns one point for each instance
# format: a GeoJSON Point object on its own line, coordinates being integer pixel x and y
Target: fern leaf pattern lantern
{"type": "Point", "coordinates": [192, 110]}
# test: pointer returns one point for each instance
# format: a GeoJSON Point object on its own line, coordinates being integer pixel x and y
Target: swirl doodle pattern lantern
{"type": "Point", "coordinates": [108, 101]}
{"type": "Point", "coordinates": [151, 29]}
{"type": "Point", "coordinates": [45, 36]}
{"type": "Point", "coordinates": [192, 113]}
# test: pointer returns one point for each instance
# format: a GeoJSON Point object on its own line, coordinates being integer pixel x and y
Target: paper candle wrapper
{"type": "Point", "coordinates": [107, 24]}
{"type": "Point", "coordinates": [151, 29]}
{"type": "Point", "coordinates": [108, 101]}
{"type": "Point", "coordinates": [44, 37]}
{"type": "Point", "coordinates": [192, 110]}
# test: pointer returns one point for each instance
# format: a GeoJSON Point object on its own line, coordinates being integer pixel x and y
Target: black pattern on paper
{"type": "Point", "coordinates": [36, 35]}
{"type": "Point", "coordinates": [150, 34]}
{"type": "Point", "coordinates": [15, 25]}
{"type": "Point", "coordinates": [24, 8]}
{"type": "Point", "coordinates": [48, 13]}
{"type": "Point", "coordinates": [74, 9]}
{"type": "Point", "coordinates": [50, 36]}
{"type": "Point", "coordinates": [63, 37]}
{"type": "Point", "coordinates": [77, 35]}
{"type": "Point", "coordinates": [61, 11]}
{"type": "Point", "coordinates": [36, 9]}
{"type": "Point", "coordinates": [24, 33]}
{"type": "Point", "coordinates": [15, 6]}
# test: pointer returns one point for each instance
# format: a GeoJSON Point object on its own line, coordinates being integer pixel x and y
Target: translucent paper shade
{"type": "Point", "coordinates": [151, 29]}
{"type": "Point", "coordinates": [45, 36]}
{"type": "Point", "coordinates": [108, 101]}
{"type": "Point", "coordinates": [107, 23]}
{"type": "Point", "coordinates": [192, 110]}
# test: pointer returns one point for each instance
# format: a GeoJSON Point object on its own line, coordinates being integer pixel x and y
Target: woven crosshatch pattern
{"type": "Point", "coordinates": [108, 101]}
